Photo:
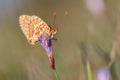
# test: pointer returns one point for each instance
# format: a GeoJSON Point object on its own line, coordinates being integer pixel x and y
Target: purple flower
{"type": "Point", "coordinates": [96, 7]}
{"type": "Point", "coordinates": [46, 43]}
{"type": "Point", "coordinates": [103, 74]}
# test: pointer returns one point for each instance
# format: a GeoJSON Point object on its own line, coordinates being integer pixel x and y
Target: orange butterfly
{"type": "Point", "coordinates": [36, 30]}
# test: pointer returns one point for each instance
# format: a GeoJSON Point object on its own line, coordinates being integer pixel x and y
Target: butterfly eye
{"type": "Point", "coordinates": [55, 30]}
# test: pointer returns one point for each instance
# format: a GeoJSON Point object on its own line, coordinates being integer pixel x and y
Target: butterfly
{"type": "Point", "coordinates": [36, 30]}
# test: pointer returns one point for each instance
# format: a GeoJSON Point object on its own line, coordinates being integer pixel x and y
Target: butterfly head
{"type": "Point", "coordinates": [53, 31]}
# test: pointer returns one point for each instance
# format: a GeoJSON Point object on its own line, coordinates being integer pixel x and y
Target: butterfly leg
{"type": "Point", "coordinates": [54, 39]}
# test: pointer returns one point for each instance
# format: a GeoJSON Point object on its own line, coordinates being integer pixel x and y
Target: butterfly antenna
{"type": "Point", "coordinates": [54, 15]}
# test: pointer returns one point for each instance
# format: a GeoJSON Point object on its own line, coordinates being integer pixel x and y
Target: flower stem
{"type": "Point", "coordinates": [89, 72]}
{"type": "Point", "coordinates": [56, 75]}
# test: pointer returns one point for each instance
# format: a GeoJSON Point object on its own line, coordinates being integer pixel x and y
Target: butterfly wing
{"type": "Point", "coordinates": [31, 27]}
{"type": "Point", "coordinates": [24, 21]}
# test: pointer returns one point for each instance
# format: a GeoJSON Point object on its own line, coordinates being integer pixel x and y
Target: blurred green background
{"type": "Point", "coordinates": [84, 33]}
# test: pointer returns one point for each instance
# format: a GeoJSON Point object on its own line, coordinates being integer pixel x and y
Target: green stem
{"type": "Point", "coordinates": [89, 72]}
{"type": "Point", "coordinates": [56, 75]}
